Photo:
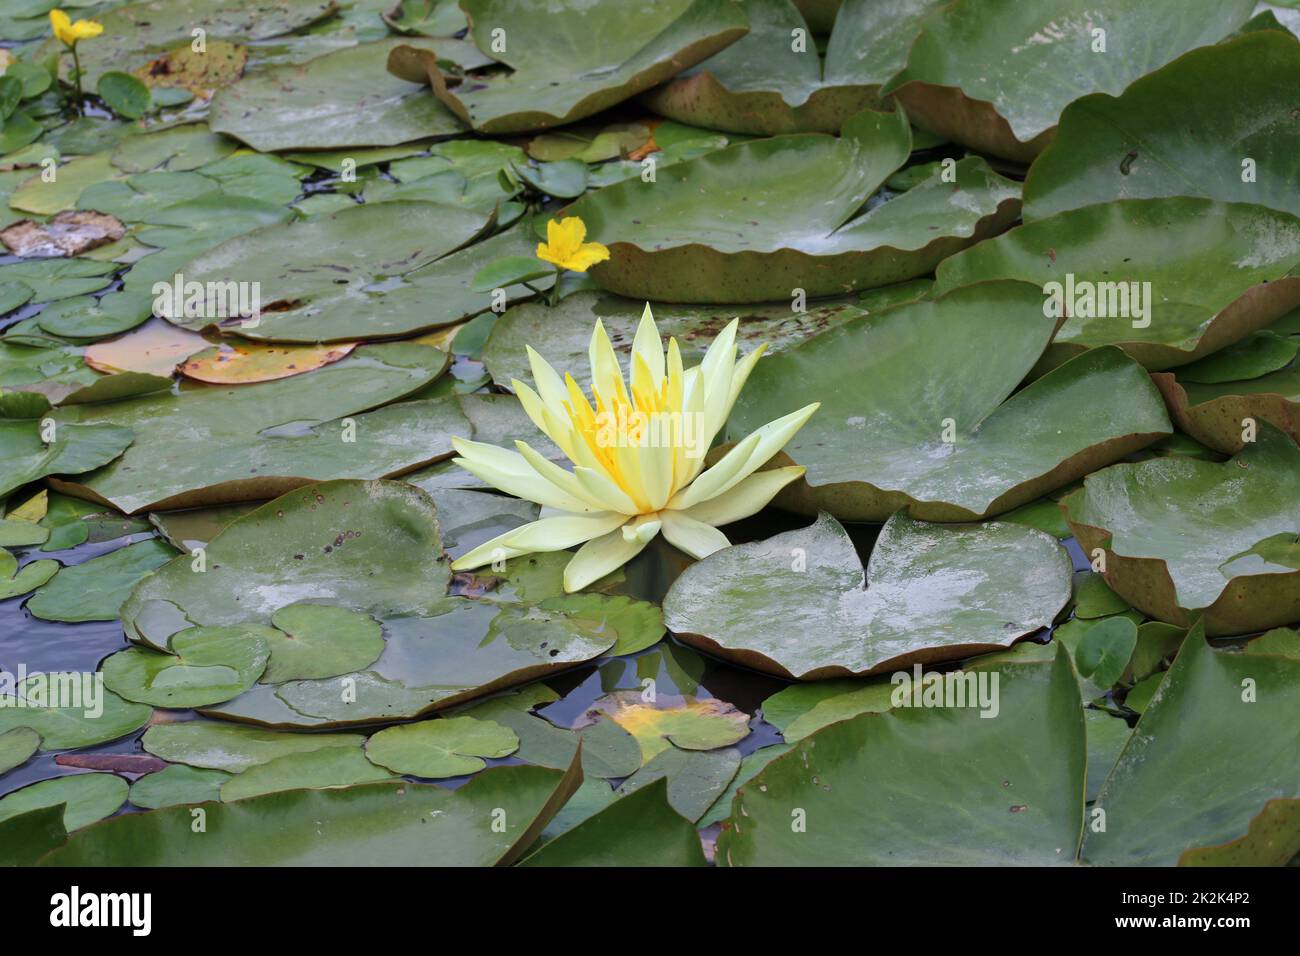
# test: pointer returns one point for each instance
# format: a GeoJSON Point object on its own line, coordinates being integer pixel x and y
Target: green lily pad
{"type": "Point", "coordinates": [750, 766]}
{"type": "Point", "coordinates": [695, 778]}
{"type": "Point", "coordinates": [757, 221]}
{"type": "Point", "coordinates": [14, 581]}
{"type": "Point", "coordinates": [206, 665]}
{"type": "Point", "coordinates": [1185, 538]}
{"type": "Point", "coordinates": [341, 99]}
{"type": "Point", "coordinates": [434, 18]}
{"type": "Point", "coordinates": [1105, 650]}
{"type": "Point", "coordinates": [641, 829]}
{"type": "Point", "coordinates": [316, 274]}
{"type": "Point", "coordinates": [207, 445]}
{"type": "Point", "coordinates": [26, 456]}
{"type": "Point", "coordinates": [1255, 356]}
{"type": "Point", "coordinates": [326, 768]}
{"type": "Point", "coordinates": [930, 593]}
{"type": "Point", "coordinates": [86, 317]}
{"type": "Point", "coordinates": [865, 791]}
{"type": "Point", "coordinates": [1003, 451]}
{"type": "Point", "coordinates": [96, 590]}
{"type": "Point", "coordinates": [800, 709]}
{"type": "Point", "coordinates": [1094, 598]}
{"type": "Point", "coordinates": [1120, 280]}
{"type": "Point", "coordinates": [317, 640]}
{"type": "Point", "coordinates": [607, 749]}
{"type": "Point", "coordinates": [1185, 130]}
{"type": "Point", "coordinates": [1107, 737]}
{"type": "Point", "coordinates": [321, 543]}
{"type": "Point", "coordinates": [47, 197]}
{"type": "Point", "coordinates": [177, 785]}
{"type": "Point", "coordinates": [16, 745]}
{"type": "Point", "coordinates": [772, 80]}
{"type": "Point", "coordinates": [88, 797]}
{"type": "Point", "coordinates": [174, 149]}
{"type": "Point", "coordinates": [135, 34]}
{"type": "Point", "coordinates": [233, 748]}
{"type": "Point", "coordinates": [490, 821]}
{"type": "Point", "coordinates": [445, 747]}
{"type": "Point", "coordinates": [996, 74]}
{"type": "Point", "coordinates": [570, 59]}
{"type": "Point", "coordinates": [1223, 414]}
{"type": "Point", "coordinates": [1218, 716]}
{"type": "Point", "coordinates": [82, 716]}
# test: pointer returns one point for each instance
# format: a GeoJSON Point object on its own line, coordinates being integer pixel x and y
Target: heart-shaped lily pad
{"type": "Point", "coordinates": [800, 604]}
{"type": "Point", "coordinates": [206, 665]}
{"type": "Point", "coordinates": [758, 221]}
{"type": "Point", "coordinates": [1184, 537]}
{"type": "Point", "coordinates": [1168, 280]}
{"type": "Point", "coordinates": [14, 581]}
{"type": "Point", "coordinates": [773, 80]}
{"type": "Point", "coordinates": [490, 821]}
{"type": "Point", "coordinates": [1184, 130]}
{"type": "Point", "coordinates": [445, 747]}
{"type": "Point", "coordinates": [996, 74]}
{"type": "Point", "coordinates": [570, 58]}
{"type": "Point", "coordinates": [341, 99]}
{"type": "Point", "coordinates": [870, 790]}
{"type": "Point", "coordinates": [31, 449]}
{"type": "Point", "coordinates": [310, 271]}
{"type": "Point", "coordinates": [218, 444]}
{"type": "Point", "coordinates": [318, 640]}
{"type": "Point", "coordinates": [1217, 716]}
{"type": "Point", "coordinates": [949, 444]}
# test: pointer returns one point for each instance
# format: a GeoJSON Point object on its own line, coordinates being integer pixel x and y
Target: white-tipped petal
{"type": "Point", "coordinates": [748, 497]}
{"type": "Point", "coordinates": [599, 557]}
{"type": "Point", "coordinates": [696, 538]}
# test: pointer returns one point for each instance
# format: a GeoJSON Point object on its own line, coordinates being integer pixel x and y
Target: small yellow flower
{"type": "Point", "coordinates": [69, 33]}
{"type": "Point", "coordinates": [638, 455]}
{"type": "Point", "coordinates": [564, 246]}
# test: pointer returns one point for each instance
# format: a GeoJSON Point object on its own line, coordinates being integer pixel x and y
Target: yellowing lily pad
{"type": "Point", "coordinates": [690, 723]}
{"type": "Point", "coordinates": [242, 363]}
{"type": "Point", "coordinates": [801, 606]}
{"type": "Point", "coordinates": [445, 747]}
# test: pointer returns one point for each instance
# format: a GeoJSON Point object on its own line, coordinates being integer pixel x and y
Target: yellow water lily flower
{"type": "Point", "coordinates": [69, 33]}
{"type": "Point", "coordinates": [565, 248]}
{"type": "Point", "coordinates": [638, 456]}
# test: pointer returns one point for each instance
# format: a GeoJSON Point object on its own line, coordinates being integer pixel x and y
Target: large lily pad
{"type": "Point", "coordinates": [800, 605]}
{"type": "Point", "coordinates": [320, 272]}
{"type": "Point", "coordinates": [773, 80]}
{"type": "Point", "coordinates": [339, 100]}
{"type": "Point", "coordinates": [757, 221]}
{"type": "Point", "coordinates": [571, 58]}
{"type": "Point", "coordinates": [1218, 717]}
{"type": "Point", "coordinates": [1167, 280]}
{"type": "Point", "coordinates": [996, 74]}
{"type": "Point", "coordinates": [490, 821]}
{"type": "Point", "coordinates": [877, 444]}
{"type": "Point", "coordinates": [1188, 129]}
{"type": "Point", "coordinates": [1185, 538]}
{"type": "Point", "coordinates": [217, 444]}
{"type": "Point", "coordinates": [927, 784]}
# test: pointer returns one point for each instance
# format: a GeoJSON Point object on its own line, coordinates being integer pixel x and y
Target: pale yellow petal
{"type": "Point", "coordinates": [564, 480]}
{"type": "Point", "coordinates": [696, 538]}
{"type": "Point", "coordinates": [715, 479]}
{"type": "Point", "coordinates": [599, 557]}
{"type": "Point", "coordinates": [746, 498]}
{"type": "Point", "coordinates": [648, 345]}
{"type": "Point", "coordinates": [509, 472]}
